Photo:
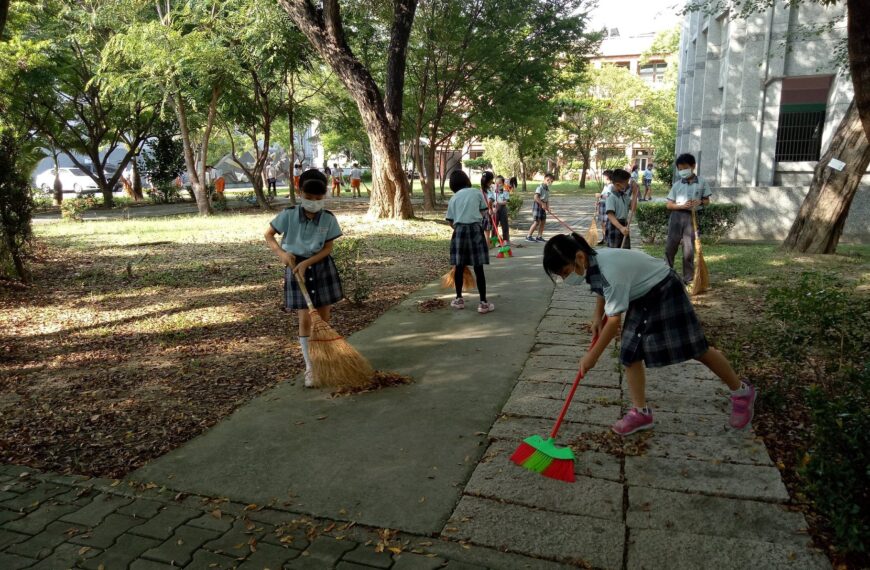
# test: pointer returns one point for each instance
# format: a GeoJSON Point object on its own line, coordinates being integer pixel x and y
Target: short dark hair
{"type": "Point", "coordinates": [458, 181]}
{"type": "Point", "coordinates": [312, 181]}
{"type": "Point", "coordinates": [561, 249]}
{"type": "Point", "coordinates": [500, 177]}
{"type": "Point", "coordinates": [549, 175]}
{"type": "Point", "coordinates": [685, 158]}
{"type": "Point", "coordinates": [620, 175]}
{"type": "Point", "coordinates": [486, 179]}
{"type": "Point", "coordinates": [608, 173]}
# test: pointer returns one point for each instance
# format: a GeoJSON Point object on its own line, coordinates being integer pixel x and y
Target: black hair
{"type": "Point", "coordinates": [486, 179]}
{"type": "Point", "coordinates": [608, 173]}
{"type": "Point", "coordinates": [620, 175]}
{"type": "Point", "coordinates": [634, 168]}
{"type": "Point", "coordinates": [500, 177]}
{"type": "Point", "coordinates": [561, 250]}
{"type": "Point", "coordinates": [550, 176]}
{"type": "Point", "coordinates": [312, 181]}
{"type": "Point", "coordinates": [459, 180]}
{"type": "Point", "coordinates": [685, 158]}
{"type": "Point", "coordinates": [513, 181]}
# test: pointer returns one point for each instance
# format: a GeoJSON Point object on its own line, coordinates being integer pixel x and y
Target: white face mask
{"type": "Point", "coordinates": [685, 173]}
{"type": "Point", "coordinates": [573, 280]}
{"type": "Point", "coordinates": [312, 206]}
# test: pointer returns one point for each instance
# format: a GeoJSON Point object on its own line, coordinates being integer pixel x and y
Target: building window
{"type": "Point", "coordinates": [623, 64]}
{"type": "Point", "coordinates": [802, 118]}
{"type": "Point", "coordinates": [653, 72]}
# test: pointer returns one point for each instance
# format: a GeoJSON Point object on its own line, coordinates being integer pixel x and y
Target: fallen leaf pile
{"type": "Point", "coordinates": [611, 443]}
{"type": "Point", "coordinates": [430, 305]}
{"type": "Point", "coordinates": [382, 379]}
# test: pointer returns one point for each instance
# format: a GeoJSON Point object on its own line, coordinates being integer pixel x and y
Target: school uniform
{"type": "Point", "coordinates": [619, 203]}
{"type": "Point", "coordinates": [297, 172]}
{"type": "Point", "coordinates": [487, 216]}
{"type": "Point", "coordinates": [538, 212]}
{"type": "Point", "coordinates": [602, 203]}
{"type": "Point", "coordinates": [647, 178]}
{"type": "Point", "coordinates": [501, 213]}
{"type": "Point", "coordinates": [660, 326]}
{"type": "Point", "coordinates": [468, 246]}
{"type": "Point", "coordinates": [680, 229]}
{"type": "Point", "coordinates": [304, 237]}
{"type": "Point", "coordinates": [355, 178]}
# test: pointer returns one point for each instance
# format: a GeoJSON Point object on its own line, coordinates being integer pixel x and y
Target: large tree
{"type": "Point", "coordinates": [819, 225]}
{"type": "Point", "coordinates": [381, 111]}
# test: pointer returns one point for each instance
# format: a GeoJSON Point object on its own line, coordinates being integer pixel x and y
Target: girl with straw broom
{"type": "Point", "coordinates": [687, 194]}
{"type": "Point", "coordinates": [468, 246]}
{"type": "Point", "coordinates": [660, 327]}
{"type": "Point", "coordinates": [307, 232]}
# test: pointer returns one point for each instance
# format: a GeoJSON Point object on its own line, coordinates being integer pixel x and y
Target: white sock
{"type": "Point", "coordinates": [303, 341]}
{"type": "Point", "coordinates": [741, 391]}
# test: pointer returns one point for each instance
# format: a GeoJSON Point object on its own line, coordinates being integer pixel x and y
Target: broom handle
{"type": "Point", "coordinates": [301, 282]}
{"type": "Point", "coordinates": [571, 394]}
{"type": "Point", "coordinates": [491, 213]}
{"type": "Point", "coordinates": [558, 219]}
{"type": "Point", "coordinates": [627, 225]}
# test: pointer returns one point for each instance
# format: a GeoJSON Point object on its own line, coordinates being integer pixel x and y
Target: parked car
{"type": "Point", "coordinates": [72, 179]}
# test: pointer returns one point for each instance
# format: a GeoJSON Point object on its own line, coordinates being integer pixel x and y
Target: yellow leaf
{"type": "Point", "coordinates": [216, 513]}
{"type": "Point", "coordinates": [251, 507]}
{"type": "Point", "coordinates": [83, 550]}
{"type": "Point", "coordinates": [395, 550]}
{"type": "Point", "coordinates": [115, 483]}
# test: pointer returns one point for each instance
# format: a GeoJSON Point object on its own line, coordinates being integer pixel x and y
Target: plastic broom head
{"type": "Point", "coordinates": [543, 456]}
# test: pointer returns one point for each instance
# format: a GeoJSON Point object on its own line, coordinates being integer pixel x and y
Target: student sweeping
{"type": "Point", "coordinates": [617, 206]}
{"type": "Point", "coordinates": [307, 232]}
{"type": "Point", "coordinates": [602, 203]}
{"type": "Point", "coordinates": [502, 197]}
{"type": "Point", "coordinates": [660, 326]}
{"type": "Point", "coordinates": [355, 180]}
{"type": "Point", "coordinates": [540, 207]}
{"type": "Point", "coordinates": [688, 193]}
{"type": "Point", "coordinates": [486, 187]}
{"type": "Point", "coordinates": [468, 246]}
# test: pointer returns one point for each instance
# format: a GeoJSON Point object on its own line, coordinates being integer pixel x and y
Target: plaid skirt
{"type": "Point", "coordinates": [602, 211]}
{"type": "Point", "coordinates": [538, 213]}
{"type": "Point", "coordinates": [487, 222]}
{"type": "Point", "coordinates": [322, 281]}
{"type": "Point", "coordinates": [661, 327]}
{"type": "Point", "coordinates": [613, 237]}
{"type": "Point", "coordinates": [468, 245]}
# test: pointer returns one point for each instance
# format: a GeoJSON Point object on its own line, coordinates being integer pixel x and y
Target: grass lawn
{"type": "Point", "coordinates": [138, 335]}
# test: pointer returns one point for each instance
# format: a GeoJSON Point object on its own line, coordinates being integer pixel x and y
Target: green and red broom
{"type": "Point", "coordinates": [504, 249]}
{"type": "Point", "coordinates": [543, 455]}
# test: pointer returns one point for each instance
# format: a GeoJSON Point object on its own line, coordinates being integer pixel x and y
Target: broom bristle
{"type": "Point", "coordinates": [592, 233]}
{"type": "Point", "coordinates": [561, 470]}
{"type": "Point", "coordinates": [701, 279]}
{"type": "Point", "coordinates": [334, 362]}
{"type": "Point", "coordinates": [448, 280]}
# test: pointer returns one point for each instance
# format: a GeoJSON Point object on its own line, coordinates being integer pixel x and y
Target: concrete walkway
{"type": "Point", "coordinates": [430, 460]}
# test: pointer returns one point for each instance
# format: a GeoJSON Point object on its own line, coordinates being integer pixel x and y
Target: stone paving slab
{"type": "Point", "coordinates": [599, 376]}
{"type": "Point", "coordinates": [567, 339]}
{"type": "Point", "coordinates": [549, 408]}
{"type": "Point", "coordinates": [728, 448]}
{"type": "Point", "coordinates": [691, 424]}
{"type": "Point", "coordinates": [516, 528]}
{"type": "Point", "coordinates": [699, 403]}
{"type": "Point", "coordinates": [707, 477]}
{"type": "Point", "coordinates": [497, 478]}
{"type": "Point", "coordinates": [655, 509]}
{"type": "Point", "coordinates": [654, 549]}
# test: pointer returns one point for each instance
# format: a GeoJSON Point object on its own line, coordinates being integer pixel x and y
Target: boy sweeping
{"type": "Point", "coordinates": [688, 193]}
{"type": "Point", "coordinates": [307, 232]}
{"type": "Point", "coordinates": [617, 207]}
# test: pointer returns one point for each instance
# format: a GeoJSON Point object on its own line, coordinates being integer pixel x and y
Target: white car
{"type": "Point", "coordinates": [73, 180]}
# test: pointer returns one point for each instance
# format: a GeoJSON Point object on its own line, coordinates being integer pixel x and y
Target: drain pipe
{"type": "Point", "coordinates": [763, 96]}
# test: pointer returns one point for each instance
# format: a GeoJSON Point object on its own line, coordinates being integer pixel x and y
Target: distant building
{"type": "Point", "coordinates": [759, 98]}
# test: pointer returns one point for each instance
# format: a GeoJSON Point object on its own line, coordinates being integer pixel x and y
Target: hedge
{"type": "Point", "coordinates": [716, 221]}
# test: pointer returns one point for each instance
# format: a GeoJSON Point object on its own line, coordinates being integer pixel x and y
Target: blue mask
{"type": "Point", "coordinates": [573, 280]}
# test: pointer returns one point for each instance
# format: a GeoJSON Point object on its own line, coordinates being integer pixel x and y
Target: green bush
{"type": "Point", "coordinates": [837, 465]}
{"type": "Point", "coordinates": [357, 284]}
{"type": "Point", "coordinates": [72, 210]}
{"type": "Point", "coordinates": [477, 163]}
{"type": "Point", "coordinates": [164, 193]}
{"type": "Point", "coordinates": [715, 223]}
{"type": "Point", "coordinates": [515, 203]}
{"type": "Point", "coordinates": [219, 201]}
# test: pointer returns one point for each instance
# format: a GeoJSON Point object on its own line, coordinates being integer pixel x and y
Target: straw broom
{"type": "Point", "coordinates": [701, 279]}
{"type": "Point", "coordinates": [448, 280]}
{"type": "Point", "coordinates": [592, 232]}
{"type": "Point", "coordinates": [334, 362]}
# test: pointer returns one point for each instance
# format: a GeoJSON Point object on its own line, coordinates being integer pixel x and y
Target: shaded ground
{"type": "Point", "coordinates": [139, 335]}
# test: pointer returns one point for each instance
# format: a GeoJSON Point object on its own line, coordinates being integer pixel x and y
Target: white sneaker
{"type": "Point", "coordinates": [484, 308]}
{"type": "Point", "coordinates": [309, 379]}
{"type": "Point", "coordinates": [458, 303]}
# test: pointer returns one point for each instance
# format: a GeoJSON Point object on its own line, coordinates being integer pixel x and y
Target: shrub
{"type": "Point", "coordinates": [164, 193]}
{"type": "Point", "coordinates": [515, 203]}
{"type": "Point", "coordinates": [72, 210]}
{"type": "Point", "coordinates": [837, 465]}
{"type": "Point", "coordinates": [477, 163]}
{"type": "Point", "coordinates": [219, 201]}
{"type": "Point", "coordinates": [357, 284]}
{"type": "Point", "coordinates": [715, 223]}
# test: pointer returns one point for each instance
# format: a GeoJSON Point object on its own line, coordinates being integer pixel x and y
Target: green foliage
{"type": "Point", "coordinates": [837, 465]}
{"type": "Point", "coordinates": [357, 284]}
{"type": "Point", "coordinates": [219, 201]}
{"type": "Point", "coordinates": [16, 209]}
{"type": "Point", "coordinates": [164, 193]}
{"type": "Point", "coordinates": [72, 210]}
{"type": "Point", "coordinates": [480, 163]}
{"type": "Point", "coordinates": [503, 155]}
{"type": "Point", "coordinates": [714, 223]}
{"type": "Point", "coordinates": [163, 162]}
{"type": "Point", "coordinates": [514, 205]}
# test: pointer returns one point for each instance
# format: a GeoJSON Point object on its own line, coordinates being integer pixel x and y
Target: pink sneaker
{"type": "Point", "coordinates": [743, 408]}
{"type": "Point", "coordinates": [458, 303]}
{"type": "Point", "coordinates": [484, 308]}
{"type": "Point", "coordinates": [633, 421]}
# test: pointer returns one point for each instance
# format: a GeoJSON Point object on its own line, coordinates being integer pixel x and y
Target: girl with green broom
{"type": "Point", "coordinates": [660, 326]}
{"type": "Point", "coordinates": [468, 246]}
{"type": "Point", "coordinates": [307, 232]}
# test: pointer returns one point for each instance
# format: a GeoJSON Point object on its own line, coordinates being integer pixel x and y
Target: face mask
{"type": "Point", "coordinates": [685, 173]}
{"type": "Point", "coordinates": [312, 206]}
{"type": "Point", "coordinates": [573, 280]}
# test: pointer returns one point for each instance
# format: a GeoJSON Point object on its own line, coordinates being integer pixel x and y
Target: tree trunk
{"type": "Point", "coordinates": [429, 182]}
{"type": "Point", "coordinates": [291, 124]}
{"type": "Point", "coordinates": [523, 171]}
{"type": "Point", "coordinates": [823, 214]}
{"type": "Point", "coordinates": [583, 171]}
{"type": "Point", "coordinates": [4, 12]}
{"type": "Point", "coordinates": [136, 183]}
{"type": "Point", "coordinates": [390, 197]}
{"type": "Point", "coordinates": [859, 57]}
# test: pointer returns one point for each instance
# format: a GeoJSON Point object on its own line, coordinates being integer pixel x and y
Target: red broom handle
{"type": "Point", "coordinates": [571, 393]}
{"type": "Point", "coordinates": [492, 218]}
{"type": "Point", "coordinates": [567, 227]}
